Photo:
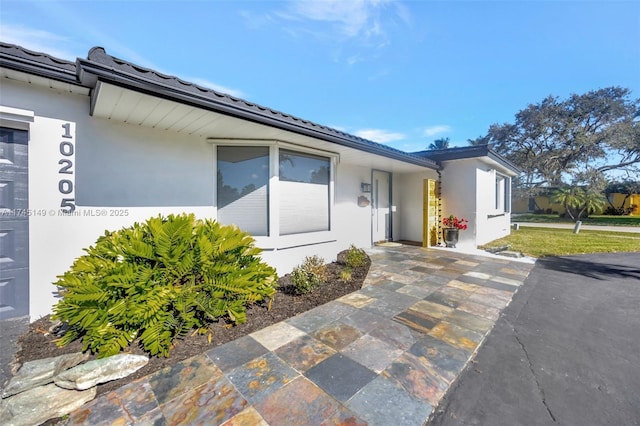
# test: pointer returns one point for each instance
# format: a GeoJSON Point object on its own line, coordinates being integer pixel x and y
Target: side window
{"type": "Point", "coordinates": [243, 188]}
{"type": "Point", "coordinates": [503, 193]}
{"type": "Point", "coordinates": [499, 204]}
{"type": "Point", "coordinates": [304, 192]}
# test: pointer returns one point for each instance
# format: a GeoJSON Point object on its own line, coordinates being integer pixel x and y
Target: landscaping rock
{"type": "Point", "coordinates": [41, 372]}
{"type": "Point", "coordinates": [27, 402]}
{"type": "Point", "coordinates": [101, 370]}
{"type": "Point", "coordinates": [498, 249]}
{"type": "Point", "coordinates": [509, 253]}
{"type": "Point", "coordinates": [40, 404]}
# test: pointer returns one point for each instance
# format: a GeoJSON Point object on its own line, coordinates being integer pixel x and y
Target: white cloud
{"type": "Point", "coordinates": [217, 87]}
{"type": "Point", "coordinates": [58, 45]}
{"type": "Point", "coordinates": [411, 147]}
{"type": "Point", "coordinates": [404, 14]}
{"type": "Point", "coordinates": [352, 60]}
{"type": "Point", "coordinates": [379, 135]}
{"type": "Point", "coordinates": [354, 30]}
{"type": "Point", "coordinates": [256, 20]}
{"type": "Point", "coordinates": [436, 130]}
{"type": "Point", "coordinates": [351, 18]}
{"type": "Point", "coordinates": [379, 74]}
{"type": "Point", "coordinates": [37, 40]}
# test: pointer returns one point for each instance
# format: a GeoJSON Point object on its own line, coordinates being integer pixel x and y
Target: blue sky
{"type": "Point", "coordinates": [402, 73]}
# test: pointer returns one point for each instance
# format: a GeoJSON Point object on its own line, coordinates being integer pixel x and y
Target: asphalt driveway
{"type": "Point", "coordinates": [566, 351]}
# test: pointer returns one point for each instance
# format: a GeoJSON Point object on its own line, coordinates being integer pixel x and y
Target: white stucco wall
{"type": "Point", "coordinates": [111, 188]}
{"type": "Point", "coordinates": [123, 173]}
{"type": "Point", "coordinates": [352, 222]}
{"type": "Point", "coordinates": [491, 224]}
{"type": "Point", "coordinates": [468, 191]}
{"type": "Point", "coordinates": [410, 214]}
{"type": "Point", "coordinates": [459, 196]}
{"type": "Point", "coordinates": [141, 167]}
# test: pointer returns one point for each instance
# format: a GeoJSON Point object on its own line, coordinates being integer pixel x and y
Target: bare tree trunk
{"type": "Point", "coordinates": [624, 201]}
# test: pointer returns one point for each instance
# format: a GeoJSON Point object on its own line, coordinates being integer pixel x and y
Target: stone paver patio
{"type": "Point", "coordinates": [383, 355]}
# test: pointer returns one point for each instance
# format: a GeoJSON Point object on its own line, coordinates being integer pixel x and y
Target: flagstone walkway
{"type": "Point", "coordinates": [383, 355]}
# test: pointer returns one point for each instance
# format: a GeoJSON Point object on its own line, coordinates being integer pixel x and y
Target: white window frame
{"type": "Point", "coordinates": [16, 118]}
{"type": "Point", "coordinates": [275, 241]}
{"type": "Point", "coordinates": [249, 211]}
{"type": "Point", "coordinates": [502, 193]}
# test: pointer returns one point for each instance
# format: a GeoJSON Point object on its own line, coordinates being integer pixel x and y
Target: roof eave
{"type": "Point", "coordinates": [90, 72]}
{"type": "Point", "coordinates": [18, 58]}
{"type": "Point", "coordinates": [37, 68]}
{"type": "Point", "coordinates": [470, 152]}
{"type": "Point", "coordinates": [505, 162]}
{"type": "Point", "coordinates": [87, 72]}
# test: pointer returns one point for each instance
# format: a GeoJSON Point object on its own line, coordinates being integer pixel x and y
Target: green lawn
{"type": "Point", "coordinates": [538, 242]}
{"type": "Point", "coordinates": [591, 220]}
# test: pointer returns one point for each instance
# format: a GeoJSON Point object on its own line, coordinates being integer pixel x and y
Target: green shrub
{"type": "Point", "coordinates": [159, 280]}
{"type": "Point", "coordinates": [346, 274]}
{"type": "Point", "coordinates": [355, 257]}
{"type": "Point", "coordinates": [310, 275]}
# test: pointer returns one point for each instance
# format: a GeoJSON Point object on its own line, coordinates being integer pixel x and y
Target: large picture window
{"type": "Point", "coordinates": [304, 192]}
{"type": "Point", "coordinates": [243, 188]}
{"type": "Point", "coordinates": [273, 191]}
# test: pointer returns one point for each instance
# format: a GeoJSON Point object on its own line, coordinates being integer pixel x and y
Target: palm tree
{"type": "Point", "coordinates": [442, 143]}
{"type": "Point", "coordinates": [577, 201]}
{"type": "Point", "coordinates": [592, 202]}
{"type": "Point", "coordinates": [480, 140]}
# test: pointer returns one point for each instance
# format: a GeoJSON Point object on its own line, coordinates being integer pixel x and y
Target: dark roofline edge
{"type": "Point", "coordinates": [448, 154]}
{"type": "Point", "coordinates": [165, 91]}
{"type": "Point", "coordinates": [504, 161]}
{"type": "Point", "coordinates": [38, 68]}
{"type": "Point", "coordinates": [86, 67]}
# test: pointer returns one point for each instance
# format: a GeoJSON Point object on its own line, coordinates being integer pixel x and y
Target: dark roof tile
{"type": "Point", "coordinates": [43, 58]}
{"type": "Point", "coordinates": [21, 59]}
{"type": "Point", "coordinates": [102, 65]}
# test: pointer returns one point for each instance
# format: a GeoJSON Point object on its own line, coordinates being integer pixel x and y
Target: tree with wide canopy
{"type": "Point", "coordinates": [583, 140]}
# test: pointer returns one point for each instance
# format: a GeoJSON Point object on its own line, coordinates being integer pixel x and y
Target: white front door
{"type": "Point", "coordinates": [381, 206]}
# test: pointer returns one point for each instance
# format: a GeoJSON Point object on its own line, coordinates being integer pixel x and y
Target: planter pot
{"type": "Point", "coordinates": [451, 237]}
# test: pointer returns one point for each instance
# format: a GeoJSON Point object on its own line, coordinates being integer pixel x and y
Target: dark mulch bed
{"type": "Point", "coordinates": [37, 343]}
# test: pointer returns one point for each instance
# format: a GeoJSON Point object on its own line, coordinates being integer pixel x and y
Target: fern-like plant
{"type": "Point", "coordinates": [159, 280]}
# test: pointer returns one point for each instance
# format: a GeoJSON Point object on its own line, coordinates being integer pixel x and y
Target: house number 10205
{"type": "Point", "coordinates": [65, 184]}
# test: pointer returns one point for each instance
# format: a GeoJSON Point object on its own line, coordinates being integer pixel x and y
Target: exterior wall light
{"type": "Point", "coordinates": [365, 187]}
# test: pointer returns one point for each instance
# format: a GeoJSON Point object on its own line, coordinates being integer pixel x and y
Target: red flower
{"type": "Point", "coordinates": [455, 222]}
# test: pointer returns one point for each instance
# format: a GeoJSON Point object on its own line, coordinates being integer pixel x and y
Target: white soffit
{"type": "Point", "coordinates": [125, 105]}
{"type": "Point", "coordinates": [499, 167]}
{"type": "Point", "coordinates": [42, 81]}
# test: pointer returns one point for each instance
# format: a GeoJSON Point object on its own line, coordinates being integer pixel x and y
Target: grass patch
{"type": "Point", "coordinates": [539, 242]}
{"type": "Point", "coordinates": [591, 220]}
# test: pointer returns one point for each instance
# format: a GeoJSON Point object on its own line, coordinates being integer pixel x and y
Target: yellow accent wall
{"type": "Point", "coordinates": [634, 201]}
{"type": "Point", "coordinates": [430, 201]}
{"type": "Point", "coordinates": [521, 204]}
